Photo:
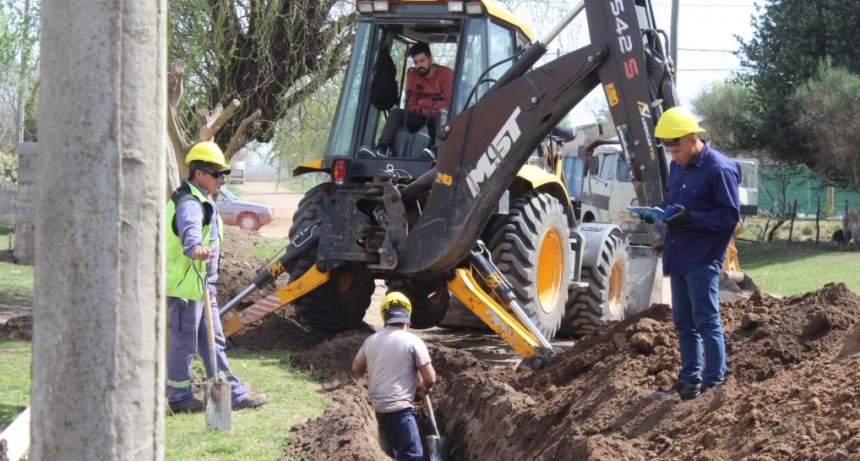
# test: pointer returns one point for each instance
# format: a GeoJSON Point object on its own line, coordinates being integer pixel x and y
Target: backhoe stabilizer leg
{"type": "Point", "coordinates": [464, 287]}
{"type": "Point", "coordinates": [480, 260]}
{"type": "Point", "coordinates": [233, 321]}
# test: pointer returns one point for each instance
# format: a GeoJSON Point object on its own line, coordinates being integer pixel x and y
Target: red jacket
{"type": "Point", "coordinates": [423, 90]}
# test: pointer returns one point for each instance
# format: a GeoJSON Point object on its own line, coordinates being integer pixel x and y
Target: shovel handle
{"type": "Point", "coordinates": [210, 334]}
{"type": "Point", "coordinates": [430, 414]}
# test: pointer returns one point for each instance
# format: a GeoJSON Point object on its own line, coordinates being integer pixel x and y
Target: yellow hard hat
{"type": "Point", "coordinates": [395, 299]}
{"type": "Point", "coordinates": [209, 152]}
{"type": "Point", "coordinates": [676, 122]}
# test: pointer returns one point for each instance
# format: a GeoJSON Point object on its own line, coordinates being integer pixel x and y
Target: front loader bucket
{"type": "Point", "coordinates": [736, 284]}
{"type": "Point", "coordinates": [644, 279]}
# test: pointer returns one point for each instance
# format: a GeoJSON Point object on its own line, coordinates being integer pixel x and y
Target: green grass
{"type": "Point", "coordinates": [7, 225]}
{"type": "Point", "coordinates": [16, 284]}
{"type": "Point", "coordinates": [785, 269]}
{"type": "Point", "coordinates": [7, 222]}
{"type": "Point", "coordinates": [266, 248]}
{"type": "Point", "coordinates": [14, 379]}
{"type": "Point", "coordinates": [258, 434]}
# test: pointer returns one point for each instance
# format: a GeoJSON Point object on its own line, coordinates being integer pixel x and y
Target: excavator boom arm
{"type": "Point", "coordinates": [482, 149]}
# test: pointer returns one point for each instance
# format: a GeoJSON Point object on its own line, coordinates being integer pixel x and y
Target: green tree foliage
{"type": "Point", "coordinates": [826, 111]}
{"type": "Point", "coordinates": [791, 38]}
{"type": "Point", "coordinates": [729, 115]}
{"type": "Point", "coordinates": [19, 34]}
{"type": "Point", "coordinates": [268, 54]}
{"type": "Point", "coordinates": [304, 131]}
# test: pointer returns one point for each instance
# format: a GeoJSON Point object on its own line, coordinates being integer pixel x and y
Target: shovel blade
{"type": "Point", "coordinates": [219, 408]}
{"type": "Point", "coordinates": [437, 447]}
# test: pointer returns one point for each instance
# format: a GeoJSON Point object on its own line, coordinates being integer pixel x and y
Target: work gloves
{"type": "Point", "coordinates": [677, 216]}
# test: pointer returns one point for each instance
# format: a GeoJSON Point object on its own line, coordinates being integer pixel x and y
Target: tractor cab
{"type": "Point", "coordinates": [477, 40]}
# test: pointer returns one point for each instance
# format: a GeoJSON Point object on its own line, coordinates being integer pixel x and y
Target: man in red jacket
{"type": "Point", "coordinates": [428, 91]}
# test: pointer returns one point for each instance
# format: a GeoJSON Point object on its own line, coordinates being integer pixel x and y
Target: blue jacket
{"type": "Point", "coordinates": [708, 187]}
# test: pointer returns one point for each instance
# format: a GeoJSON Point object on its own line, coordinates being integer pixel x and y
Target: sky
{"type": "Point", "coordinates": [706, 30]}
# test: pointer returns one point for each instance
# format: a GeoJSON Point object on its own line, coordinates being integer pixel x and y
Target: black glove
{"type": "Point", "coordinates": [681, 217]}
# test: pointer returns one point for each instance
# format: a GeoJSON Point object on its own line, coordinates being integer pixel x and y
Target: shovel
{"type": "Point", "coordinates": [436, 444]}
{"type": "Point", "coordinates": [216, 393]}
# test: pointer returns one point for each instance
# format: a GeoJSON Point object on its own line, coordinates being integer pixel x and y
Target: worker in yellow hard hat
{"type": "Point", "coordinates": [702, 208]}
{"type": "Point", "coordinates": [393, 358]}
{"type": "Point", "coordinates": [193, 248]}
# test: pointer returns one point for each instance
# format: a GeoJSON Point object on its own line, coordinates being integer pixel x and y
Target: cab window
{"type": "Point", "coordinates": [501, 48]}
{"type": "Point", "coordinates": [607, 169]}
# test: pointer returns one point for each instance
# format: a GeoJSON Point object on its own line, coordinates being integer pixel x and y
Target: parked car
{"type": "Point", "coordinates": [246, 215]}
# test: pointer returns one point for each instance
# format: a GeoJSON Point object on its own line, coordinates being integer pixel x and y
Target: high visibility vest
{"type": "Point", "coordinates": [182, 280]}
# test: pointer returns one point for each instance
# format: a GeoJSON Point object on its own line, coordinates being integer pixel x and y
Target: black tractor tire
{"type": "Point", "coordinates": [530, 247]}
{"type": "Point", "coordinates": [605, 298]}
{"type": "Point", "coordinates": [429, 301]}
{"type": "Point", "coordinates": [340, 303]}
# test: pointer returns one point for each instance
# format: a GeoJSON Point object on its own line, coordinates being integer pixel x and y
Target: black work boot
{"type": "Point", "coordinates": [689, 391]}
{"type": "Point", "coordinates": [193, 406]}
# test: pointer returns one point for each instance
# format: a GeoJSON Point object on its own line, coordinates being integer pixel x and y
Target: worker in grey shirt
{"type": "Point", "coordinates": [393, 359]}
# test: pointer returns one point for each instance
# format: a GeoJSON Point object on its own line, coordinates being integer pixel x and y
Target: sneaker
{"type": "Point", "coordinates": [193, 406]}
{"type": "Point", "coordinates": [372, 152]}
{"type": "Point", "coordinates": [428, 154]}
{"type": "Point", "coordinates": [689, 391]}
{"type": "Point", "coordinates": [252, 401]}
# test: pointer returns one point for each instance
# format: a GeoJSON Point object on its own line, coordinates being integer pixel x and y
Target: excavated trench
{"type": "Point", "coordinates": [791, 391]}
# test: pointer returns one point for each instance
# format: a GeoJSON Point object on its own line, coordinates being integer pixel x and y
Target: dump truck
{"type": "Point", "coordinates": [480, 222]}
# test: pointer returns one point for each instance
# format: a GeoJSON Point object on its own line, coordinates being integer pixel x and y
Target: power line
{"type": "Point", "coordinates": [708, 50]}
{"type": "Point", "coordinates": [707, 5]}
{"type": "Point", "coordinates": [737, 69]}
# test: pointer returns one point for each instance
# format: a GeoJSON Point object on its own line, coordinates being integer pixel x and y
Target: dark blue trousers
{"type": "Point", "coordinates": [401, 430]}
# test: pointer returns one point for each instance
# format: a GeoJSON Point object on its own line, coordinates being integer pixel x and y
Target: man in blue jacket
{"type": "Point", "coordinates": [703, 210]}
{"type": "Point", "coordinates": [193, 248]}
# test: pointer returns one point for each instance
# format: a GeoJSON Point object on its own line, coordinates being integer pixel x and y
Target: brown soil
{"type": "Point", "coordinates": [18, 327]}
{"type": "Point", "coordinates": [791, 391]}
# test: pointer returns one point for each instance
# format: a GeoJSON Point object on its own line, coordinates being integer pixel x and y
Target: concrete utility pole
{"type": "Point", "coordinates": [673, 36]}
{"type": "Point", "coordinates": [98, 338]}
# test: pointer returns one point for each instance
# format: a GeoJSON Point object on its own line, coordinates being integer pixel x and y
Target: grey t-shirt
{"type": "Point", "coordinates": [392, 356]}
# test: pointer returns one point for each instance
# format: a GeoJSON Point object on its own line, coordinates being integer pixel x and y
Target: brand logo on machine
{"type": "Point", "coordinates": [490, 159]}
{"type": "Point", "coordinates": [645, 115]}
{"type": "Point", "coordinates": [625, 41]}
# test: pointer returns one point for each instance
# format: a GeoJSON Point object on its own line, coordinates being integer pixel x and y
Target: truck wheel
{"type": "Point", "coordinates": [530, 247]}
{"type": "Point", "coordinates": [605, 298]}
{"type": "Point", "coordinates": [340, 303]}
{"type": "Point", "coordinates": [429, 301]}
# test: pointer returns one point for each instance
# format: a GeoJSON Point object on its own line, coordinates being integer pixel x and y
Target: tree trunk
{"type": "Point", "coordinates": [99, 329]}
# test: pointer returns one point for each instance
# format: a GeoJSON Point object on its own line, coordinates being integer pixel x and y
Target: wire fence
{"type": "Point", "coordinates": [780, 187]}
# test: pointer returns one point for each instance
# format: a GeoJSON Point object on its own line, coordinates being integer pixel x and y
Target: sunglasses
{"type": "Point", "coordinates": [214, 174]}
{"type": "Point", "coordinates": [675, 142]}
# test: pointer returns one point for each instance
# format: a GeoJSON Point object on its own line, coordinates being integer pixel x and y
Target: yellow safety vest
{"type": "Point", "coordinates": [181, 278]}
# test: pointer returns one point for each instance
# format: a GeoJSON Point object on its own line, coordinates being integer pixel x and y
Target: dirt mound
{"type": "Point", "coordinates": [20, 327]}
{"type": "Point", "coordinates": [791, 390]}
{"type": "Point", "coordinates": [791, 393]}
